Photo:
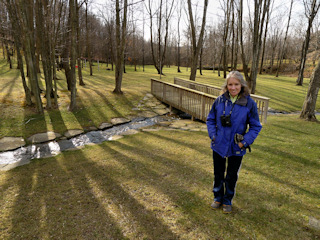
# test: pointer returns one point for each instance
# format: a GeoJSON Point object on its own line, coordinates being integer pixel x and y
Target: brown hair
{"type": "Point", "coordinates": [244, 86]}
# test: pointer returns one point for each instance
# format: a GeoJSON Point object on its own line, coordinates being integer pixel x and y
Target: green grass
{"type": "Point", "coordinates": [96, 102]}
{"type": "Point", "coordinates": [157, 185]}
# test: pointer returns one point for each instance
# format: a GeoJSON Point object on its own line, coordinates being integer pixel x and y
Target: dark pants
{"type": "Point", "coordinates": [224, 186]}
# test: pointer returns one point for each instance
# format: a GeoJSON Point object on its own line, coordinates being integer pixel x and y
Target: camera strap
{"type": "Point", "coordinates": [226, 102]}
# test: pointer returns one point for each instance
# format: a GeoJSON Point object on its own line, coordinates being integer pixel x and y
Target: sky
{"type": "Point", "coordinates": [214, 12]}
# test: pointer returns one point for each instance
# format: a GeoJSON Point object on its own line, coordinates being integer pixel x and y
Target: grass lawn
{"type": "Point", "coordinates": [156, 185]}
{"type": "Point", "coordinates": [96, 102]}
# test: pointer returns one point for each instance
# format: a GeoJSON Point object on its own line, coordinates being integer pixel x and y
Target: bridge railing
{"type": "Point", "coordinates": [197, 104]}
{"type": "Point", "coordinates": [262, 102]}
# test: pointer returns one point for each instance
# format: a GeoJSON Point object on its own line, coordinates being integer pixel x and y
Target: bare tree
{"type": "Point", "coordinates": [160, 41]}
{"type": "Point", "coordinates": [81, 82]}
{"type": "Point", "coordinates": [25, 13]}
{"type": "Point", "coordinates": [179, 12]}
{"type": "Point", "coordinates": [281, 53]}
{"type": "Point", "coordinates": [311, 9]}
{"type": "Point", "coordinates": [73, 53]}
{"type": "Point", "coordinates": [196, 44]}
{"type": "Point", "coordinates": [43, 24]}
{"type": "Point", "coordinates": [264, 41]}
{"type": "Point", "coordinates": [121, 29]}
{"type": "Point", "coordinates": [261, 8]}
{"type": "Point", "coordinates": [309, 105]}
{"type": "Point", "coordinates": [89, 53]}
{"type": "Point", "coordinates": [227, 7]}
{"type": "Point", "coordinates": [12, 10]}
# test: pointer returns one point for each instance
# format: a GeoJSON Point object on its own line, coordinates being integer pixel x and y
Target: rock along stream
{"type": "Point", "coordinates": [23, 155]}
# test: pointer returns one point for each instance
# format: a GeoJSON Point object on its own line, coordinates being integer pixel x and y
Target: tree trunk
{"type": "Point", "coordinates": [120, 42]}
{"type": "Point", "coordinates": [243, 55]}
{"type": "Point", "coordinates": [196, 45]}
{"type": "Point", "coordinates": [284, 41]}
{"type": "Point", "coordinates": [179, 39]}
{"type": "Point", "coordinates": [8, 55]}
{"type": "Point", "coordinates": [309, 105]}
{"type": "Point", "coordinates": [44, 47]}
{"type": "Point", "coordinates": [259, 21]}
{"type": "Point", "coordinates": [200, 61]}
{"type": "Point", "coordinates": [88, 42]}
{"type": "Point", "coordinates": [312, 11]}
{"type": "Point", "coordinates": [264, 42]}
{"type": "Point", "coordinates": [73, 54]}
{"type": "Point", "coordinates": [225, 36]}
{"type": "Point", "coordinates": [81, 82]}
{"type": "Point", "coordinates": [26, 9]}
{"type": "Point", "coordinates": [303, 59]}
{"type": "Point", "coordinates": [15, 27]}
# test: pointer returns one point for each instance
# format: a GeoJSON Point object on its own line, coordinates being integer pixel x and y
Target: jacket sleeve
{"type": "Point", "coordinates": [211, 122]}
{"type": "Point", "coordinates": [254, 124]}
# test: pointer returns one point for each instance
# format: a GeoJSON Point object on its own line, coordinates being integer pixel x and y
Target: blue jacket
{"type": "Point", "coordinates": [244, 114]}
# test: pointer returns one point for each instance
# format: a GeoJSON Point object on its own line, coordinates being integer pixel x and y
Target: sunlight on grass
{"type": "Point", "coordinates": [157, 185]}
{"type": "Point", "coordinates": [96, 102]}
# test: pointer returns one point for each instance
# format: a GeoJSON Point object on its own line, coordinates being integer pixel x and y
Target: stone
{"type": "Point", "coordinates": [314, 223]}
{"type": "Point", "coordinates": [161, 106]}
{"type": "Point", "coordinates": [150, 129]}
{"type": "Point", "coordinates": [148, 114]}
{"type": "Point", "coordinates": [161, 111]}
{"type": "Point", "coordinates": [151, 104]}
{"type": "Point", "coordinates": [178, 124]}
{"type": "Point", "coordinates": [43, 137]}
{"type": "Point", "coordinates": [7, 167]}
{"type": "Point", "coordinates": [164, 124]}
{"type": "Point", "coordinates": [73, 132]}
{"type": "Point", "coordinates": [11, 143]}
{"type": "Point", "coordinates": [115, 137]}
{"type": "Point", "coordinates": [105, 125]}
{"type": "Point", "coordinates": [116, 121]}
{"type": "Point", "coordinates": [93, 128]}
{"type": "Point", "coordinates": [129, 132]}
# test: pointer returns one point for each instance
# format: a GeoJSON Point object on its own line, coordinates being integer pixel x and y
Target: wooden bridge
{"type": "Point", "coordinates": [195, 98]}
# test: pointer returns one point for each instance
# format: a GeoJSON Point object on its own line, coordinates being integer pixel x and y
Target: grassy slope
{"type": "Point", "coordinates": [97, 104]}
{"type": "Point", "coordinates": [155, 185]}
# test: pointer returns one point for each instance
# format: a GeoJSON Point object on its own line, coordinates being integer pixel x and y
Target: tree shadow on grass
{"type": "Point", "coordinates": [93, 194]}
{"type": "Point", "coordinates": [105, 100]}
{"type": "Point", "coordinates": [57, 121]}
{"type": "Point", "coordinates": [176, 180]}
{"type": "Point", "coordinates": [82, 115]}
{"type": "Point", "coordinates": [9, 86]}
{"type": "Point", "coordinates": [170, 178]}
{"type": "Point", "coordinates": [288, 158]}
{"type": "Point", "coordinates": [271, 215]}
{"type": "Point", "coordinates": [55, 200]}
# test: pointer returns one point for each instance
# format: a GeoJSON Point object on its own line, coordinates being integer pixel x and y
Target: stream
{"type": "Point", "coordinates": [23, 155]}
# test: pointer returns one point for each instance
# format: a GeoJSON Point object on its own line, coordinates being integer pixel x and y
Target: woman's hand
{"type": "Point", "coordinates": [240, 145]}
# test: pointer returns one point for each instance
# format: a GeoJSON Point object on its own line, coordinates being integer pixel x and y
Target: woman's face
{"type": "Point", "coordinates": [234, 86]}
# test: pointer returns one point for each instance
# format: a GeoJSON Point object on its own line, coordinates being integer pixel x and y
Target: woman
{"type": "Point", "coordinates": [227, 123]}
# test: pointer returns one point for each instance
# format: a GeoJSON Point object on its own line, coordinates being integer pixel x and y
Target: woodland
{"type": "Point", "coordinates": [77, 65]}
{"type": "Point", "coordinates": [262, 37]}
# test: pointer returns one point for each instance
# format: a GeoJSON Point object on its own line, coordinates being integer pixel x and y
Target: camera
{"type": "Point", "coordinates": [225, 120]}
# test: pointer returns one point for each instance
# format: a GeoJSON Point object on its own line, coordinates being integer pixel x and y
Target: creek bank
{"type": "Point", "coordinates": [152, 115]}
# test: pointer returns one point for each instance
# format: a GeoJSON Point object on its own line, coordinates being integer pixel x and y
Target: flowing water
{"type": "Point", "coordinates": [23, 155]}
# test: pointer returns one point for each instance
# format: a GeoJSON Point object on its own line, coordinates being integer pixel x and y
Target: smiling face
{"type": "Point", "coordinates": [234, 86]}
